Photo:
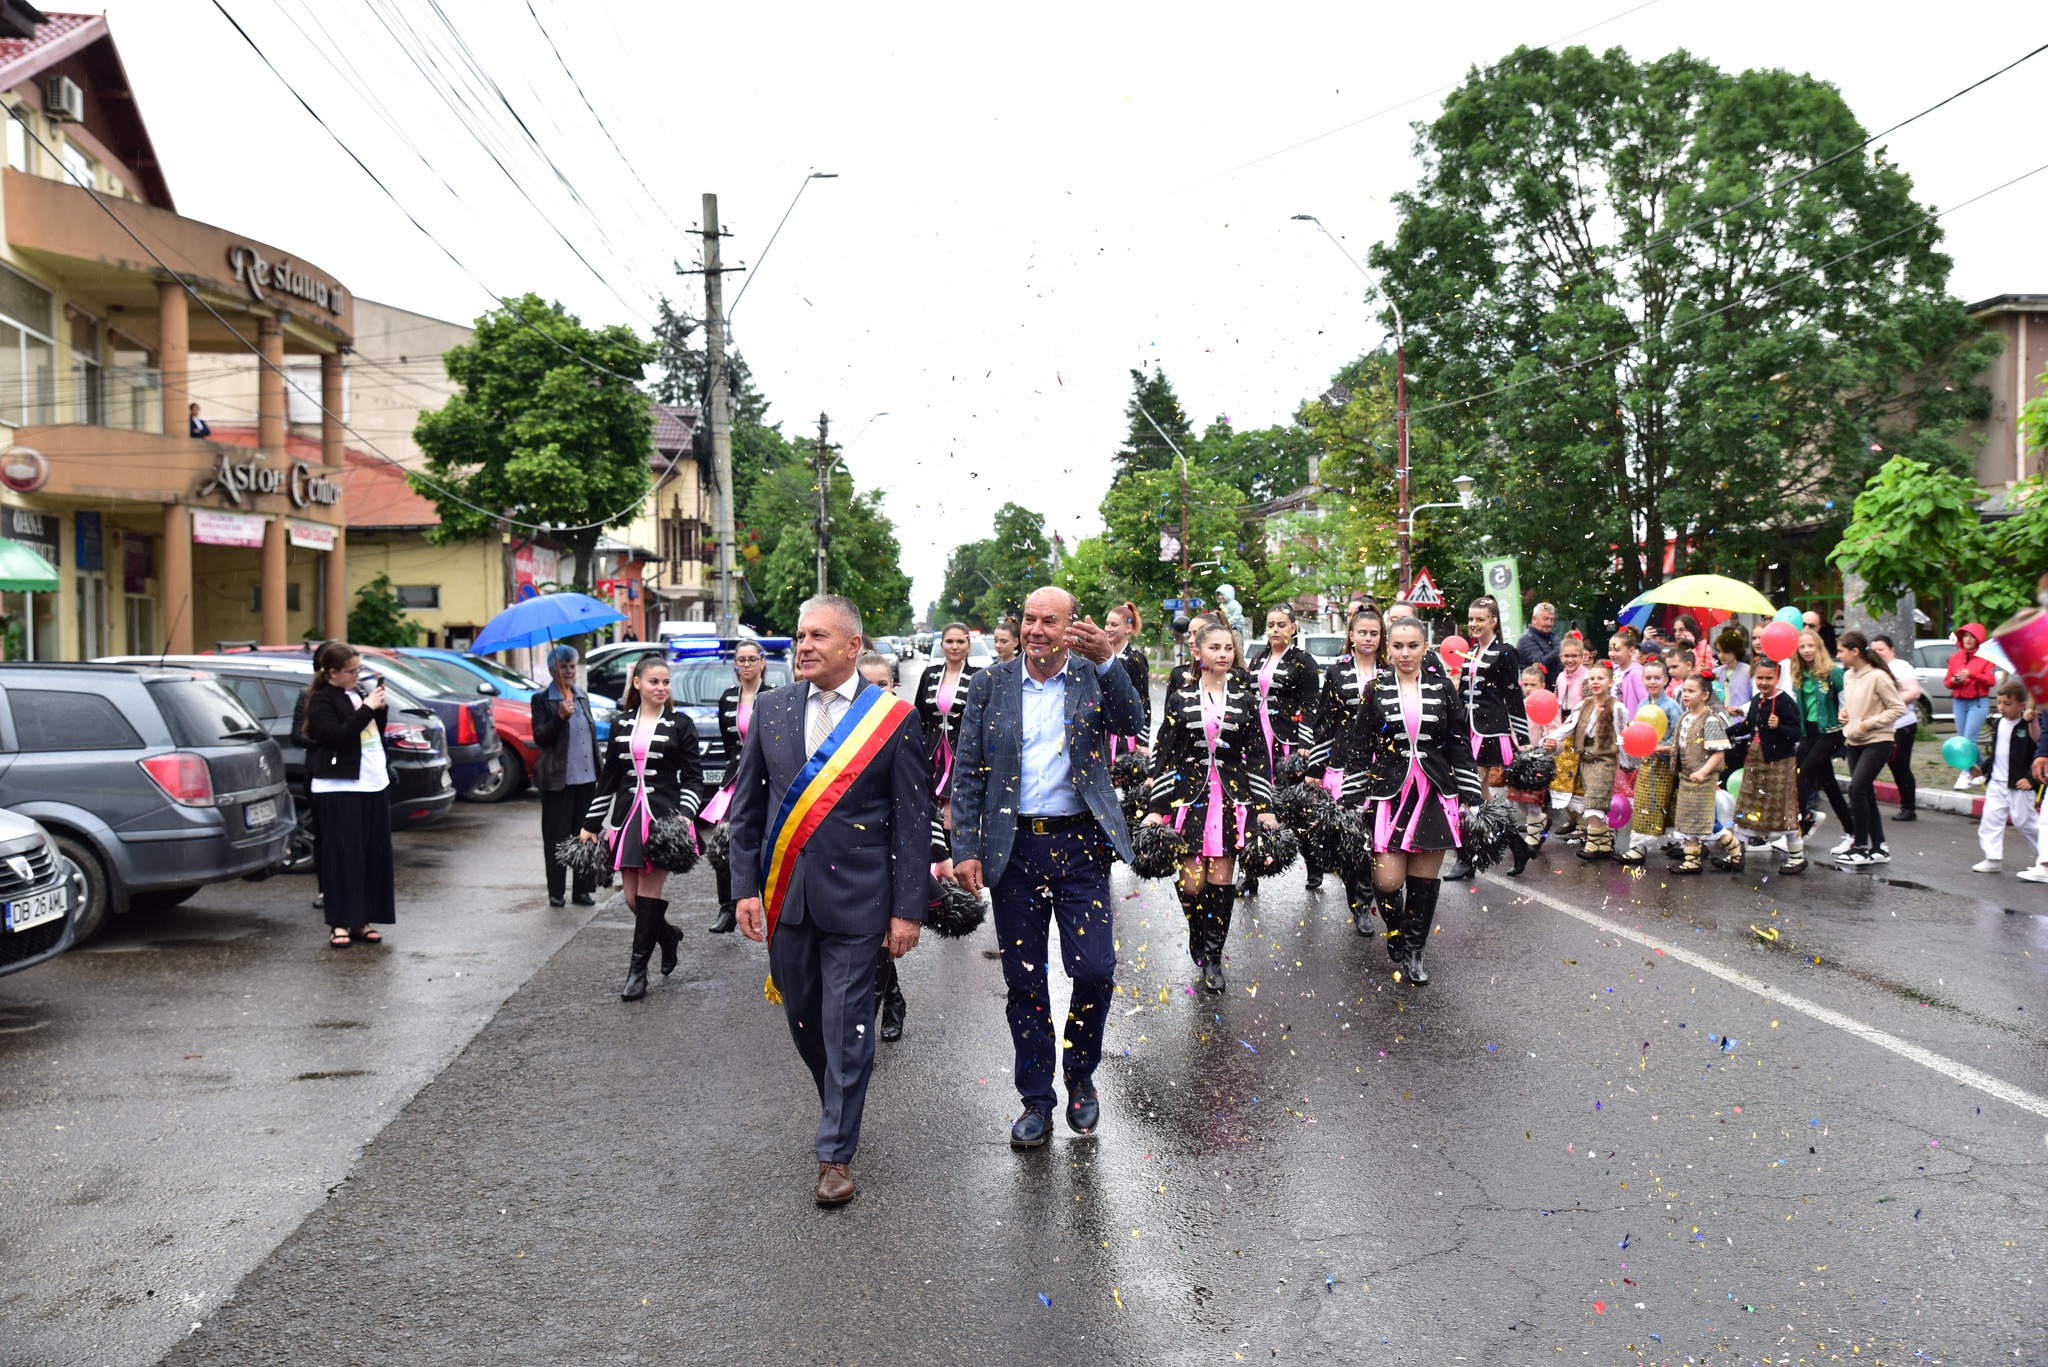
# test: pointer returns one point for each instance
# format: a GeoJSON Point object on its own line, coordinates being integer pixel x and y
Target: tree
{"type": "Point", "coordinates": [685, 370]}
{"type": "Point", "coordinates": [1265, 464]}
{"type": "Point", "coordinates": [1658, 304]}
{"type": "Point", "coordinates": [1142, 505]}
{"type": "Point", "coordinates": [862, 560]}
{"type": "Point", "coordinates": [1143, 448]}
{"type": "Point", "coordinates": [378, 619]}
{"type": "Point", "coordinates": [988, 580]}
{"type": "Point", "coordinates": [1918, 529]}
{"type": "Point", "coordinates": [535, 434]}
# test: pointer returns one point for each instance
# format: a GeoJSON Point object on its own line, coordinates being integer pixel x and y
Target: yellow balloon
{"type": "Point", "coordinates": [1652, 716]}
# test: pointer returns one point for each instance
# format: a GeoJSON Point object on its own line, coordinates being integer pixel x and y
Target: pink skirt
{"type": "Point", "coordinates": [1418, 818]}
{"type": "Point", "coordinates": [714, 810]}
{"type": "Point", "coordinates": [1217, 841]}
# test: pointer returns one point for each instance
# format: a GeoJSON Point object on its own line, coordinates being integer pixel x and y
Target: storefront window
{"type": "Point", "coordinates": [141, 625]}
{"type": "Point", "coordinates": [30, 626]}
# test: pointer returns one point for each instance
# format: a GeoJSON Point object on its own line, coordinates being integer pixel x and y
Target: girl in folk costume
{"type": "Point", "coordinates": [1284, 683]}
{"type": "Point", "coordinates": [651, 772]}
{"type": "Point", "coordinates": [1346, 684]}
{"type": "Point", "coordinates": [1701, 749]}
{"type": "Point", "coordinates": [1121, 622]}
{"type": "Point", "coordinates": [1210, 782]}
{"type": "Point", "coordinates": [1571, 676]}
{"type": "Point", "coordinates": [1596, 735]}
{"type": "Point", "coordinates": [735, 719]}
{"type": "Point", "coordinates": [1657, 779]}
{"type": "Point", "coordinates": [1492, 697]}
{"type": "Point", "coordinates": [1768, 805]}
{"type": "Point", "coordinates": [941, 701]}
{"type": "Point", "coordinates": [1410, 752]}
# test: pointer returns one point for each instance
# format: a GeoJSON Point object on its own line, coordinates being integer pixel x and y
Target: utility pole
{"type": "Point", "coordinates": [824, 497]}
{"type": "Point", "coordinates": [720, 418]}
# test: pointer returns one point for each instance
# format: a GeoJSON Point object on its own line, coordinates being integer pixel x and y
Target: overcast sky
{"type": "Point", "coordinates": [1030, 200]}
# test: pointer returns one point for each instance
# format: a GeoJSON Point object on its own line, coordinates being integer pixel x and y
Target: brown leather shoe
{"type": "Point", "coordinates": [835, 1184]}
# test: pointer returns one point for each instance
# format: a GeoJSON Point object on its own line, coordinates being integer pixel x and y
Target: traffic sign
{"type": "Point", "coordinates": [1422, 591]}
{"type": "Point", "coordinates": [1176, 604]}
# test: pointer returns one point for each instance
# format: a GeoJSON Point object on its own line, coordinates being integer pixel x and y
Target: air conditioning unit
{"type": "Point", "coordinates": [63, 101]}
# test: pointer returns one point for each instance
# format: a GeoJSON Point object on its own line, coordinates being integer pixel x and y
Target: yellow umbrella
{"type": "Point", "coordinates": [1706, 591]}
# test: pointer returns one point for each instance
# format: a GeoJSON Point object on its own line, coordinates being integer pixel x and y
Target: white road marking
{"type": "Point", "coordinates": [1926, 1058]}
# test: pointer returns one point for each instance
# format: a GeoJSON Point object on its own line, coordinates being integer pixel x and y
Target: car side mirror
{"type": "Point", "coordinates": [489, 690]}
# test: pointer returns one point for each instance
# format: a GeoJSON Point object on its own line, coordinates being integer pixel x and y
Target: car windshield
{"type": "Point", "coordinates": [697, 683]}
{"type": "Point", "coordinates": [500, 673]}
{"type": "Point", "coordinates": [452, 677]}
{"type": "Point", "coordinates": [416, 680]}
{"type": "Point", "coordinates": [201, 712]}
{"type": "Point", "coordinates": [1323, 647]}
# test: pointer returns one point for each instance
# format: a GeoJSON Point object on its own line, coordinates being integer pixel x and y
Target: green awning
{"type": "Point", "coordinates": [24, 571]}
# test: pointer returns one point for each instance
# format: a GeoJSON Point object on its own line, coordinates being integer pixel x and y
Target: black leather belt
{"type": "Point", "coordinates": [1053, 825]}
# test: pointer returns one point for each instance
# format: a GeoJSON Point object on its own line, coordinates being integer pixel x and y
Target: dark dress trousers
{"type": "Point", "coordinates": [866, 863]}
{"type": "Point", "coordinates": [562, 803]}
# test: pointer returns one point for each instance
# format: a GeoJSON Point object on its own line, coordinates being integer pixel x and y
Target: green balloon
{"type": "Point", "coordinates": [1735, 784]}
{"type": "Point", "coordinates": [1959, 752]}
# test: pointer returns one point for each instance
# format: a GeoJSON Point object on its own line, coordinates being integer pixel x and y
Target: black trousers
{"type": "Point", "coordinates": [561, 816]}
{"type": "Point", "coordinates": [1817, 751]}
{"type": "Point", "coordinates": [1866, 762]}
{"type": "Point", "coordinates": [1902, 765]}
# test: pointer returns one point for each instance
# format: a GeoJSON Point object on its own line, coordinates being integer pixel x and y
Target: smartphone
{"type": "Point", "coordinates": [366, 682]}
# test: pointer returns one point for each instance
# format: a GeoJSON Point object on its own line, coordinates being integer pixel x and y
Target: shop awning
{"type": "Point", "coordinates": [24, 571]}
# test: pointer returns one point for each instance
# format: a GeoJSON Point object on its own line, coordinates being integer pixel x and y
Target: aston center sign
{"type": "Point", "coordinates": [303, 483]}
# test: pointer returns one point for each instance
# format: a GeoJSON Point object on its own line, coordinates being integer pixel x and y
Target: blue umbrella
{"type": "Point", "coordinates": [539, 620]}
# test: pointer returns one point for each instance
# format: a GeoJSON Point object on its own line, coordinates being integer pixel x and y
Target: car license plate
{"type": "Point", "coordinates": [260, 813]}
{"type": "Point", "coordinates": [715, 777]}
{"type": "Point", "coordinates": [33, 911]}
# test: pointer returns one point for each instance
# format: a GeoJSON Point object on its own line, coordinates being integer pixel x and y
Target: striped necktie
{"type": "Point", "coordinates": [822, 727]}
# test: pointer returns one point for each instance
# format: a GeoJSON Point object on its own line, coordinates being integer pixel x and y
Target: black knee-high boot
{"type": "Point", "coordinates": [1191, 907]}
{"type": "Point", "coordinates": [643, 950]}
{"type": "Point", "coordinates": [1218, 899]}
{"type": "Point", "coordinates": [726, 919]}
{"type": "Point", "coordinates": [1358, 895]}
{"type": "Point", "coordinates": [1422, 894]}
{"type": "Point", "coordinates": [1394, 914]}
{"type": "Point", "coordinates": [1315, 868]}
{"type": "Point", "coordinates": [665, 935]}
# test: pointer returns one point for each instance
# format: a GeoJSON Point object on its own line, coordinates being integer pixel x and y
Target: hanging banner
{"type": "Point", "coordinates": [1503, 579]}
{"type": "Point", "coordinates": [210, 528]}
{"type": "Point", "coordinates": [313, 536]}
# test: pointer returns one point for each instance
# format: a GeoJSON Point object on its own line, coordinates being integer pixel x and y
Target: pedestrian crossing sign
{"type": "Point", "coordinates": [1422, 591]}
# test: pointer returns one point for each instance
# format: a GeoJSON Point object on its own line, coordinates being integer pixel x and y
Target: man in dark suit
{"type": "Point", "coordinates": [859, 879]}
{"type": "Point", "coordinates": [1036, 818]}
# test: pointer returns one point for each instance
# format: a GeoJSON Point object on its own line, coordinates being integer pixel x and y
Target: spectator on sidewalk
{"type": "Point", "coordinates": [565, 770]}
{"type": "Point", "coordinates": [1538, 645]}
{"type": "Point", "coordinates": [2007, 753]}
{"type": "Point", "coordinates": [1970, 679]}
{"type": "Point", "coordinates": [1904, 731]}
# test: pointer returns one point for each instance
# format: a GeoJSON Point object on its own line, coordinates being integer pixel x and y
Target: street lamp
{"type": "Point", "coordinates": [1403, 518]}
{"type": "Point", "coordinates": [1462, 483]}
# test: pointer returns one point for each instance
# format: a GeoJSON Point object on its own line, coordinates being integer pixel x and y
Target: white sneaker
{"type": "Point", "coordinates": [1976, 780]}
{"type": "Point", "coordinates": [1853, 859]}
{"type": "Point", "coordinates": [2033, 873]}
{"type": "Point", "coordinates": [1881, 855]}
{"type": "Point", "coordinates": [1962, 783]}
{"type": "Point", "coordinates": [1848, 844]}
{"type": "Point", "coordinates": [1987, 866]}
{"type": "Point", "coordinates": [1777, 843]}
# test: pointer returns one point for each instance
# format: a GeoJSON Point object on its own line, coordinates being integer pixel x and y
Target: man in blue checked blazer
{"type": "Point", "coordinates": [1036, 819]}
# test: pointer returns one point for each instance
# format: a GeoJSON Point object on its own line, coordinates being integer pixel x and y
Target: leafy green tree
{"type": "Point", "coordinates": [1265, 464]}
{"type": "Point", "coordinates": [862, 559]}
{"type": "Point", "coordinates": [1656, 302]}
{"type": "Point", "coordinates": [1143, 448]}
{"type": "Point", "coordinates": [377, 619]}
{"type": "Point", "coordinates": [1084, 573]}
{"type": "Point", "coordinates": [684, 368]}
{"type": "Point", "coordinates": [536, 435]}
{"type": "Point", "coordinates": [1145, 503]}
{"type": "Point", "coordinates": [988, 580]}
{"type": "Point", "coordinates": [1918, 529]}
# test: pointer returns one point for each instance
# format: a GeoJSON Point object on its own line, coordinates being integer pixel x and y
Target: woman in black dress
{"type": "Point", "coordinates": [941, 701]}
{"type": "Point", "coordinates": [1210, 782]}
{"type": "Point", "coordinates": [1284, 683]}
{"type": "Point", "coordinates": [1346, 684]}
{"type": "Point", "coordinates": [345, 761]}
{"type": "Point", "coordinates": [1121, 622]}
{"type": "Point", "coordinates": [1413, 750]}
{"type": "Point", "coordinates": [735, 719]}
{"type": "Point", "coordinates": [651, 772]}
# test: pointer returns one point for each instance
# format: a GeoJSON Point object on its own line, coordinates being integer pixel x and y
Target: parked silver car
{"type": "Point", "coordinates": [37, 895]}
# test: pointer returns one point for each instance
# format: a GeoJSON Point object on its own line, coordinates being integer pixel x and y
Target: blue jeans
{"type": "Point", "coordinates": [1062, 877]}
{"type": "Point", "coordinates": [1970, 715]}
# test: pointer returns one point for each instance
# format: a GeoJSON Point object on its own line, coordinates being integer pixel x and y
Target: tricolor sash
{"type": "Point", "coordinates": [818, 786]}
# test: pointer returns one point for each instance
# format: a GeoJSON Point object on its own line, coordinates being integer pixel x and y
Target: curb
{"type": "Point", "coordinates": [1934, 799]}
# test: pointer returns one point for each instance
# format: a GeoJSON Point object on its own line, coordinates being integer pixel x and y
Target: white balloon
{"type": "Point", "coordinates": [1724, 808]}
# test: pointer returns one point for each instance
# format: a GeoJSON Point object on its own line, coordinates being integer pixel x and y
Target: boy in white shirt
{"type": "Point", "coordinates": [2009, 785]}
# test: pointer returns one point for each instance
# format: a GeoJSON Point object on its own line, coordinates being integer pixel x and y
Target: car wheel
{"type": "Point", "coordinates": [161, 901]}
{"type": "Point", "coordinates": [1926, 711]}
{"type": "Point", "coordinates": [509, 779]}
{"type": "Point", "coordinates": [91, 896]}
{"type": "Point", "coordinates": [298, 850]}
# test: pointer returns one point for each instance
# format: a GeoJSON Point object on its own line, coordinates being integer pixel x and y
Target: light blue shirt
{"type": "Point", "coordinates": [1046, 785]}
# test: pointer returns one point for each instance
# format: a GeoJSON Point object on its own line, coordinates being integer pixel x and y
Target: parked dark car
{"type": "Point", "coordinates": [511, 696]}
{"type": "Point", "coordinates": [415, 746]}
{"type": "Point", "coordinates": [475, 755]}
{"type": "Point", "coordinates": [152, 781]}
{"type": "Point", "coordinates": [36, 895]}
{"type": "Point", "coordinates": [700, 669]}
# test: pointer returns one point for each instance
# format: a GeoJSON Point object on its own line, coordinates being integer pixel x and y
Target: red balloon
{"type": "Point", "coordinates": [1454, 645]}
{"type": "Point", "coordinates": [1639, 739]}
{"type": "Point", "coordinates": [1542, 707]}
{"type": "Point", "coordinates": [1778, 641]}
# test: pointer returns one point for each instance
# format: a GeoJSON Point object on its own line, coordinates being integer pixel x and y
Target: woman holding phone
{"type": "Point", "coordinates": [345, 711]}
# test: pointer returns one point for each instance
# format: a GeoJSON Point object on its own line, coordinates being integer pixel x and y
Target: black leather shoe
{"type": "Point", "coordinates": [1456, 872]}
{"type": "Point", "coordinates": [1315, 881]}
{"type": "Point", "coordinates": [669, 938]}
{"type": "Point", "coordinates": [1361, 920]}
{"type": "Point", "coordinates": [556, 900]}
{"type": "Point", "coordinates": [1908, 815]}
{"type": "Point", "coordinates": [1084, 1108]}
{"type": "Point", "coordinates": [893, 1009]}
{"type": "Point", "coordinates": [726, 919]}
{"type": "Point", "coordinates": [1212, 974]}
{"type": "Point", "coordinates": [585, 899]}
{"type": "Point", "coordinates": [1414, 971]}
{"type": "Point", "coordinates": [1032, 1129]}
{"type": "Point", "coordinates": [636, 979]}
{"type": "Point", "coordinates": [1518, 850]}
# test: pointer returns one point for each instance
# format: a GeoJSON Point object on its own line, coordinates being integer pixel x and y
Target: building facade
{"type": "Point", "coordinates": [2015, 380]}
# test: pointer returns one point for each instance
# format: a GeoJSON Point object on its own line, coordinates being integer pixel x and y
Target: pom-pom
{"type": "Point", "coordinates": [1348, 843]}
{"type": "Point", "coordinates": [672, 844]}
{"type": "Point", "coordinates": [1156, 851]}
{"type": "Point", "coordinates": [1304, 808]}
{"type": "Point", "coordinates": [1486, 829]}
{"type": "Point", "coordinates": [1531, 772]}
{"type": "Point", "coordinates": [584, 858]}
{"type": "Point", "coordinates": [1129, 771]}
{"type": "Point", "coordinates": [955, 912]}
{"type": "Point", "coordinates": [718, 849]}
{"type": "Point", "coordinates": [1290, 770]}
{"type": "Point", "coordinates": [1274, 851]}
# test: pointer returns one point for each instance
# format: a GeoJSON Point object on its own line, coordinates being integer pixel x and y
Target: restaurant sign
{"type": "Point", "coordinates": [262, 278]}
{"type": "Point", "coordinates": [251, 476]}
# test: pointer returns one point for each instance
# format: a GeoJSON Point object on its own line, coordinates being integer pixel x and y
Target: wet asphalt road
{"type": "Point", "coordinates": [1582, 1142]}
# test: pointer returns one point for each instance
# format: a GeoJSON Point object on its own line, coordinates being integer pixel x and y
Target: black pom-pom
{"type": "Point", "coordinates": [1156, 851]}
{"type": "Point", "coordinates": [1290, 770]}
{"type": "Point", "coordinates": [1129, 771]}
{"type": "Point", "coordinates": [1134, 809]}
{"type": "Point", "coordinates": [1348, 842]}
{"type": "Point", "coordinates": [718, 849]}
{"type": "Point", "coordinates": [1275, 850]}
{"type": "Point", "coordinates": [1486, 828]}
{"type": "Point", "coordinates": [587, 858]}
{"type": "Point", "coordinates": [671, 844]}
{"type": "Point", "coordinates": [955, 912]}
{"type": "Point", "coordinates": [1305, 808]}
{"type": "Point", "coordinates": [1531, 772]}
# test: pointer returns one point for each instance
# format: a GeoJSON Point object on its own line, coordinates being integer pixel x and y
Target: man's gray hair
{"type": "Point", "coordinates": [562, 655]}
{"type": "Point", "coordinates": [1543, 607]}
{"type": "Point", "coordinates": [840, 606]}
